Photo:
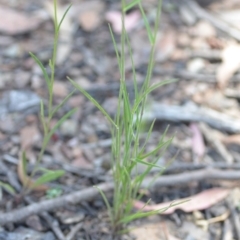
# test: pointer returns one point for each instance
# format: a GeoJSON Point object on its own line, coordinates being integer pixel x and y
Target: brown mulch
{"type": "Point", "coordinates": [196, 45]}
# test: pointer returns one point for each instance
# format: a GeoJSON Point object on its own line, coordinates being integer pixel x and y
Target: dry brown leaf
{"type": "Point", "coordinates": [26, 181]}
{"type": "Point", "coordinates": [230, 64]}
{"type": "Point", "coordinates": [199, 201]}
{"type": "Point", "coordinates": [13, 22]}
{"type": "Point", "coordinates": [198, 146]}
{"type": "Point", "coordinates": [29, 136]}
{"type": "Point", "coordinates": [152, 231]}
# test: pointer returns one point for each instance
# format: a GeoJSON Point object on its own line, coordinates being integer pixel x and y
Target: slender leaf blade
{"type": "Point", "coordinates": [64, 15]}
{"type": "Point", "coordinates": [131, 5]}
{"type": "Point", "coordinates": [62, 103]}
{"type": "Point", "coordinates": [45, 74]}
{"type": "Point", "coordinates": [8, 188]}
{"type": "Point", "coordinates": [47, 177]}
{"type": "Point", "coordinates": [59, 123]}
{"type": "Point", "coordinates": [87, 95]}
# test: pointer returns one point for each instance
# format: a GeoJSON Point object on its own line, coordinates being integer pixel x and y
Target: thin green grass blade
{"type": "Point", "coordinates": [115, 47]}
{"type": "Point", "coordinates": [133, 67]}
{"type": "Point", "coordinates": [127, 116]}
{"type": "Point", "coordinates": [64, 15]}
{"type": "Point", "coordinates": [61, 104]}
{"type": "Point", "coordinates": [46, 77]}
{"type": "Point", "coordinates": [157, 20]}
{"type": "Point", "coordinates": [147, 138]}
{"type": "Point", "coordinates": [139, 215]}
{"type": "Point", "coordinates": [50, 63]}
{"type": "Point", "coordinates": [8, 188]}
{"type": "Point", "coordinates": [148, 91]}
{"type": "Point", "coordinates": [42, 117]}
{"type": "Point", "coordinates": [87, 95]}
{"type": "Point", "coordinates": [58, 124]}
{"type": "Point", "coordinates": [146, 163]}
{"type": "Point", "coordinates": [55, 18]}
{"type": "Point", "coordinates": [24, 162]}
{"type": "Point", "coordinates": [154, 151]}
{"type": "Point", "coordinates": [131, 5]}
{"type": "Point", "coordinates": [48, 177]}
{"type": "Point", "coordinates": [161, 172]}
{"type": "Point", "coordinates": [107, 203]}
{"type": "Point", "coordinates": [160, 84]}
{"type": "Point", "coordinates": [149, 31]}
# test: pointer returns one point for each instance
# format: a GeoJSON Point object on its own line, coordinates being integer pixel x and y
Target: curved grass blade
{"type": "Point", "coordinates": [58, 124]}
{"type": "Point", "coordinates": [149, 31]}
{"type": "Point", "coordinates": [131, 5]}
{"type": "Point", "coordinates": [87, 95]}
{"type": "Point", "coordinates": [62, 103]}
{"type": "Point", "coordinates": [107, 204]}
{"type": "Point", "coordinates": [8, 188]}
{"type": "Point", "coordinates": [47, 177]}
{"type": "Point", "coordinates": [64, 15]}
{"type": "Point", "coordinates": [46, 77]}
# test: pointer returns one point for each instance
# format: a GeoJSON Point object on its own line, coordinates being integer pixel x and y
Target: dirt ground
{"type": "Point", "coordinates": [197, 44]}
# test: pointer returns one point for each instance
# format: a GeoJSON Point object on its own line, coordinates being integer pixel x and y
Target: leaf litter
{"type": "Point", "coordinates": [197, 54]}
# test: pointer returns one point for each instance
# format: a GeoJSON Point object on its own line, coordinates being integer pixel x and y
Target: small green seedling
{"type": "Point", "coordinates": [46, 115]}
{"type": "Point", "coordinates": [53, 193]}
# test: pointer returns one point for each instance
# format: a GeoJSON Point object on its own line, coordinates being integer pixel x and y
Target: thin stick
{"type": "Point", "coordinates": [36, 208]}
{"type": "Point", "coordinates": [90, 193]}
{"type": "Point", "coordinates": [192, 113]}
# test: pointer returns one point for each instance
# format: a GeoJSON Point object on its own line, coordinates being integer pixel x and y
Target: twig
{"type": "Point", "coordinates": [184, 178]}
{"type": "Point", "coordinates": [235, 218]}
{"type": "Point", "coordinates": [89, 193]}
{"type": "Point", "coordinates": [192, 113]}
{"type": "Point", "coordinates": [186, 75]}
{"type": "Point", "coordinates": [52, 223]}
{"type": "Point", "coordinates": [36, 208]}
{"type": "Point", "coordinates": [74, 231]}
{"type": "Point", "coordinates": [12, 179]}
{"type": "Point", "coordinates": [208, 54]}
{"type": "Point", "coordinates": [216, 142]}
{"type": "Point", "coordinates": [216, 22]}
{"type": "Point", "coordinates": [181, 167]}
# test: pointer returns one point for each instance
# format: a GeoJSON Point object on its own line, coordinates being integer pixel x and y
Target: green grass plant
{"type": "Point", "coordinates": [46, 115]}
{"type": "Point", "coordinates": [127, 150]}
